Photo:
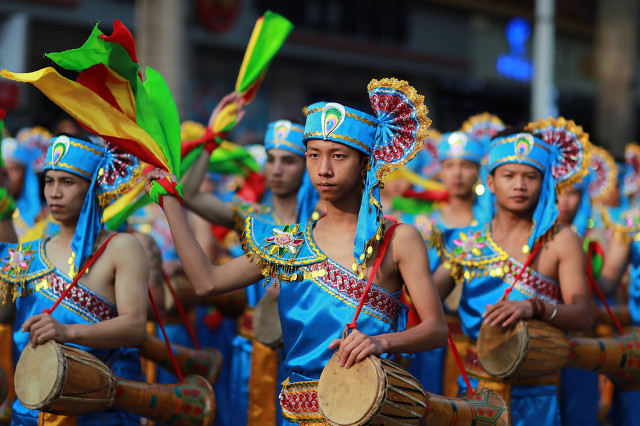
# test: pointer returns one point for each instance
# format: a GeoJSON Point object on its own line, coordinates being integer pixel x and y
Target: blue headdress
{"type": "Point", "coordinates": [560, 151]}
{"type": "Point", "coordinates": [29, 202]}
{"type": "Point", "coordinates": [35, 139]}
{"type": "Point", "coordinates": [110, 173]}
{"type": "Point", "coordinates": [482, 128]}
{"type": "Point", "coordinates": [390, 138]}
{"type": "Point", "coordinates": [603, 174]}
{"type": "Point", "coordinates": [460, 145]}
{"type": "Point", "coordinates": [581, 219]}
{"type": "Point", "coordinates": [631, 184]}
{"type": "Point", "coordinates": [283, 134]}
{"type": "Point", "coordinates": [426, 161]}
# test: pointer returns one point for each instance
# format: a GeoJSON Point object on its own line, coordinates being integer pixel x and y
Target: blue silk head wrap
{"type": "Point", "coordinates": [460, 145]}
{"type": "Point", "coordinates": [29, 202]}
{"type": "Point", "coordinates": [581, 219]}
{"type": "Point", "coordinates": [109, 172]}
{"type": "Point", "coordinates": [283, 134]}
{"type": "Point", "coordinates": [631, 185]}
{"type": "Point", "coordinates": [524, 148]}
{"type": "Point", "coordinates": [390, 138]}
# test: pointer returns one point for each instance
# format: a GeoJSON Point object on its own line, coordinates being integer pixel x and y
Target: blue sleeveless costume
{"type": "Point", "coordinates": [242, 343]}
{"type": "Point", "coordinates": [486, 270]}
{"type": "Point", "coordinates": [317, 298]}
{"type": "Point", "coordinates": [622, 221]}
{"type": "Point", "coordinates": [43, 284]}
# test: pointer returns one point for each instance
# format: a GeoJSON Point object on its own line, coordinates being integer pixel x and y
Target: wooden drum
{"type": "Point", "coordinates": [374, 391]}
{"type": "Point", "coordinates": [266, 322]}
{"type": "Point", "coordinates": [529, 349]}
{"type": "Point", "coordinates": [63, 380]}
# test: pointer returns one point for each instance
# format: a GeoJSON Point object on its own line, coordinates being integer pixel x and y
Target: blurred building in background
{"type": "Point", "coordinates": [465, 56]}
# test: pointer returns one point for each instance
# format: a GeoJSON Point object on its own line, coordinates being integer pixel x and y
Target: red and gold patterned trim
{"type": "Point", "coordinates": [299, 402]}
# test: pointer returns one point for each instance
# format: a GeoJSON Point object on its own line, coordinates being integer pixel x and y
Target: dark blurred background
{"type": "Point", "coordinates": [465, 56]}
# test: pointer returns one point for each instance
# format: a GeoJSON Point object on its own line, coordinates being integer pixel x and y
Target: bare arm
{"type": "Point", "coordinates": [444, 281]}
{"type": "Point", "coordinates": [206, 278]}
{"type": "Point", "coordinates": [410, 254]}
{"type": "Point", "coordinates": [207, 206]}
{"type": "Point", "coordinates": [131, 277]}
{"type": "Point", "coordinates": [7, 232]}
{"type": "Point", "coordinates": [575, 313]}
{"type": "Point", "coordinates": [614, 266]}
{"type": "Point", "coordinates": [156, 280]}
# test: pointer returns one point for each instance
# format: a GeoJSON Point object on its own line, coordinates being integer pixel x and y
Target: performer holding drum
{"type": "Point", "coordinates": [347, 152]}
{"type": "Point", "coordinates": [105, 312]}
{"type": "Point", "coordinates": [524, 172]}
{"type": "Point", "coordinates": [624, 253]}
{"type": "Point", "coordinates": [255, 365]}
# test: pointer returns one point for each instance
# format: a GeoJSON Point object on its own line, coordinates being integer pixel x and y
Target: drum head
{"type": "Point", "coordinates": [40, 374]}
{"type": "Point", "coordinates": [502, 350]}
{"type": "Point", "coordinates": [266, 322]}
{"type": "Point", "coordinates": [351, 396]}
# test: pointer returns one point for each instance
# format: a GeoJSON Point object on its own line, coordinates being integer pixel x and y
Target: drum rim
{"type": "Point", "coordinates": [507, 372]}
{"type": "Point", "coordinates": [257, 322]}
{"type": "Point", "coordinates": [58, 384]}
{"type": "Point", "coordinates": [381, 393]}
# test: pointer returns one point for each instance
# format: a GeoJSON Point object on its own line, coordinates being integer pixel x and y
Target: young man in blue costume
{"type": "Point", "coordinates": [291, 198]}
{"type": "Point", "coordinates": [105, 313]}
{"type": "Point", "coordinates": [487, 259]}
{"type": "Point", "coordinates": [347, 152]}
{"type": "Point", "coordinates": [460, 157]}
{"type": "Point", "coordinates": [623, 254]}
{"type": "Point", "coordinates": [23, 184]}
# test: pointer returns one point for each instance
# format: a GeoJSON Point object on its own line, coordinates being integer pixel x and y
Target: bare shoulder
{"type": "Point", "coordinates": [405, 233]}
{"type": "Point", "coordinates": [124, 244]}
{"type": "Point", "coordinates": [407, 241]}
{"type": "Point", "coordinates": [565, 240]}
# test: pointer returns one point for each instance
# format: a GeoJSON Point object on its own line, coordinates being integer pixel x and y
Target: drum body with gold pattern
{"type": "Point", "coordinates": [529, 349]}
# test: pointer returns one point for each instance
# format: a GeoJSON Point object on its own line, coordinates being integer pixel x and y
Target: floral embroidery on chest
{"type": "Point", "coordinates": [469, 245]}
{"type": "Point", "coordinates": [18, 260]}
{"type": "Point", "coordinates": [15, 267]}
{"type": "Point", "coordinates": [80, 299]}
{"type": "Point", "coordinates": [346, 286]}
{"type": "Point", "coordinates": [424, 223]}
{"type": "Point", "coordinates": [286, 240]}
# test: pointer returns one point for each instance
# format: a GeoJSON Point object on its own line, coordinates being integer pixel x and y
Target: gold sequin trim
{"type": "Point", "coordinates": [343, 137]}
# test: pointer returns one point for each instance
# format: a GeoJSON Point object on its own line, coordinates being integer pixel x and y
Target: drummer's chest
{"type": "Point", "coordinates": [99, 277]}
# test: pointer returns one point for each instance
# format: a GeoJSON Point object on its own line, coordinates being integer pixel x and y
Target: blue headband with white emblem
{"type": "Point", "coordinates": [460, 145]}
{"type": "Point", "coordinates": [390, 138]}
{"type": "Point", "coordinates": [109, 172]}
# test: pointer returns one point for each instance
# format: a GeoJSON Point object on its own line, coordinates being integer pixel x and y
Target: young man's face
{"type": "Point", "coordinates": [516, 187]}
{"type": "Point", "coordinates": [284, 171]}
{"type": "Point", "coordinates": [15, 173]}
{"type": "Point", "coordinates": [65, 193]}
{"type": "Point", "coordinates": [459, 176]}
{"type": "Point", "coordinates": [568, 203]}
{"type": "Point", "coordinates": [336, 170]}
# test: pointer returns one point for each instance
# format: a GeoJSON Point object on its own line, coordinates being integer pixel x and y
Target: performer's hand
{"type": "Point", "coordinates": [506, 312]}
{"type": "Point", "coordinates": [232, 97]}
{"type": "Point", "coordinates": [356, 347]}
{"type": "Point", "coordinates": [156, 174]}
{"type": "Point", "coordinates": [44, 327]}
